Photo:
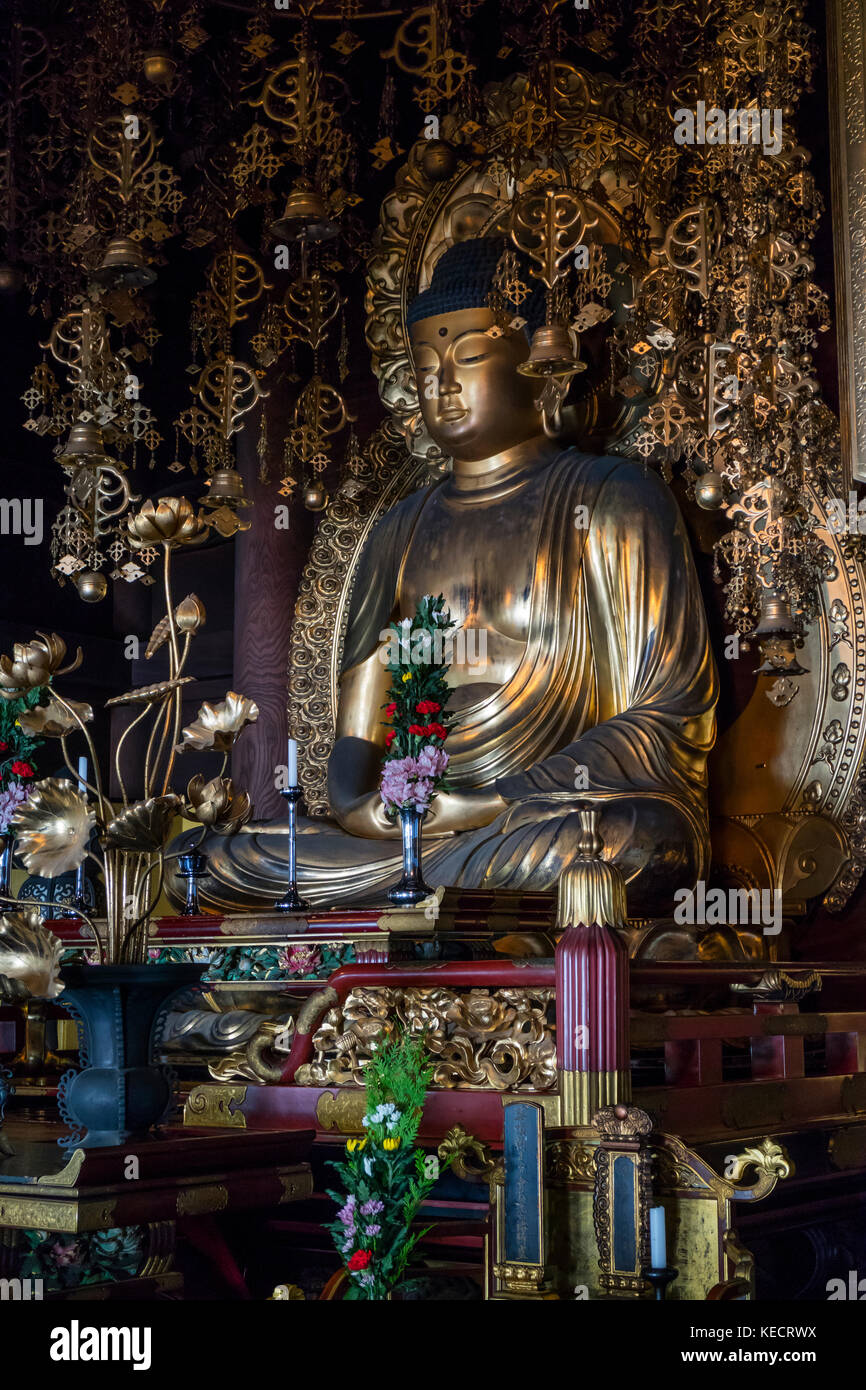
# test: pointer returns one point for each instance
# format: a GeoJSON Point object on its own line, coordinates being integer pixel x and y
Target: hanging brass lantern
{"type": "Point", "coordinates": [158, 66]}
{"type": "Point", "coordinates": [775, 637]}
{"type": "Point", "coordinates": [315, 497]}
{"type": "Point", "coordinates": [91, 585]}
{"type": "Point", "coordinates": [226, 485]}
{"type": "Point", "coordinates": [123, 266]}
{"type": "Point", "coordinates": [305, 217]}
{"type": "Point", "coordinates": [84, 445]}
{"type": "Point", "coordinates": [551, 354]}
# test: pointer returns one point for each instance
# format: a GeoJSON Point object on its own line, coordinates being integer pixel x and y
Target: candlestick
{"type": "Point", "coordinates": [293, 763]}
{"type": "Point", "coordinates": [192, 866]}
{"type": "Point", "coordinates": [658, 1238]}
{"type": "Point", "coordinates": [79, 902]}
{"type": "Point", "coordinates": [660, 1278]}
{"type": "Point", "coordinates": [291, 901]}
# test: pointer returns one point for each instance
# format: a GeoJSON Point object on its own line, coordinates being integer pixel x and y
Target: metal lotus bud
{"type": "Point", "coordinates": [123, 266]}
{"type": "Point", "coordinates": [91, 585]}
{"type": "Point", "coordinates": [305, 217]}
{"type": "Point", "coordinates": [190, 615]}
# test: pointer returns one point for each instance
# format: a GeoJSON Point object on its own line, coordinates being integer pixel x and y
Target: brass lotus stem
{"type": "Point", "coordinates": [97, 775]}
{"type": "Point", "coordinates": [143, 916]}
{"type": "Point", "coordinates": [88, 786]}
{"type": "Point", "coordinates": [148, 765]}
{"type": "Point", "coordinates": [120, 742]}
{"type": "Point", "coordinates": [177, 716]}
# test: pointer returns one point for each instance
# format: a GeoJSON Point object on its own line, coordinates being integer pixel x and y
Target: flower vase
{"type": "Point", "coordinates": [120, 1092]}
{"type": "Point", "coordinates": [411, 889]}
{"type": "Point", "coordinates": [7, 846]}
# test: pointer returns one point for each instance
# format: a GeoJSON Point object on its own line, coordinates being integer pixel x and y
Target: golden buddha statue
{"type": "Point", "coordinates": [597, 683]}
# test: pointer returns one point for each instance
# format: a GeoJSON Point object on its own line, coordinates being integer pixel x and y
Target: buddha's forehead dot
{"type": "Point", "coordinates": [443, 332]}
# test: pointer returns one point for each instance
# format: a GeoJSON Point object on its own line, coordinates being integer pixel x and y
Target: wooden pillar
{"type": "Point", "coordinates": [268, 564]}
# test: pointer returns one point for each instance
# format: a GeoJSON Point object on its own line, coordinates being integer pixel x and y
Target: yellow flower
{"type": "Point", "coordinates": [353, 1144]}
{"type": "Point", "coordinates": [407, 676]}
{"type": "Point", "coordinates": [390, 1144]}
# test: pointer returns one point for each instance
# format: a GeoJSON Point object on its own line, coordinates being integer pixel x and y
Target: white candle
{"type": "Point", "coordinates": [293, 762]}
{"type": "Point", "coordinates": [658, 1239]}
{"type": "Point", "coordinates": [82, 774]}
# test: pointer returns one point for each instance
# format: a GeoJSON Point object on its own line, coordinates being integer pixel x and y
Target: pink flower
{"type": "Point", "coordinates": [299, 960]}
{"type": "Point", "coordinates": [10, 800]}
{"type": "Point", "coordinates": [432, 761]}
{"type": "Point", "coordinates": [65, 1254]}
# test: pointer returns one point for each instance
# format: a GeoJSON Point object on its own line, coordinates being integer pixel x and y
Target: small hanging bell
{"type": "Point", "coordinates": [123, 266]}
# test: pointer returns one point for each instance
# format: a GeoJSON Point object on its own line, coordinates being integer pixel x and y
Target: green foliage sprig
{"type": "Point", "coordinates": [385, 1177]}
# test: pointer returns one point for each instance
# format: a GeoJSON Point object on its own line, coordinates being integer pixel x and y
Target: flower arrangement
{"type": "Point", "coordinates": [385, 1177]}
{"type": "Point", "coordinates": [53, 827]}
{"type": "Point", "coordinates": [18, 743]}
{"type": "Point", "coordinates": [415, 762]}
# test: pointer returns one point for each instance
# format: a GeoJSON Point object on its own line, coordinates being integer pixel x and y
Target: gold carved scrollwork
{"type": "Point", "coordinates": [568, 1160]}
{"type": "Point", "coordinates": [199, 1201]}
{"type": "Point", "coordinates": [211, 1106]}
{"type": "Point", "coordinates": [470, 1159]}
{"type": "Point", "coordinates": [499, 1039]}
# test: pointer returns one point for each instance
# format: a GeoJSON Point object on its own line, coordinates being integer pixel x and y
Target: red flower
{"type": "Point", "coordinates": [360, 1259]}
{"type": "Point", "coordinates": [437, 731]}
{"type": "Point", "coordinates": [427, 707]}
{"type": "Point", "coordinates": [389, 737]}
{"type": "Point", "coordinates": [419, 729]}
{"type": "Point", "coordinates": [22, 769]}
{"type": "Point", "coordinates": [389, 709]}
{"type": "Point", "coordinates": [4, 747]}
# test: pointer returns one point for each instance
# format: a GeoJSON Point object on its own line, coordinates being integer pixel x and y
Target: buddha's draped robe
{"type": "Point", "coordinates": [612, 702]}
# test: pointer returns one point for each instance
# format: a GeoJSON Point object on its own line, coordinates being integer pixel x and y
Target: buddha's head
{"type": "Point", "coordinates": [474, 401]}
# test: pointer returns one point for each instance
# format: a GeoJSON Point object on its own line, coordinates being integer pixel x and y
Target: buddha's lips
{"type": "Point", "coordinates": [452, 413]}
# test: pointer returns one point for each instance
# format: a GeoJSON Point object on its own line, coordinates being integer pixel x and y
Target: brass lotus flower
{"type": "Point", "coordinates": [170, 521]}
{"type": "Point", "coordinates": [218, 726]}
{"type": "Point", "coordinates": [143, 826]}
{"type": "Point", "coordinates": [52, 720]}
{"type": "Point", "coordinates": [30, 954]}
{"type": "Point", "coordinates": [218, 804]}
{"type": "Point", "coordinates": [32, 664]}
{"type": "Point", "coordinates": [52, 827]}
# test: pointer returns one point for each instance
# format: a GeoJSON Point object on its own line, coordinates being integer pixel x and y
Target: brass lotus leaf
{"type": "Point", "coordinates": [30, 954]}
{"type": "Point", "coordinates": [32, 664]}
{"type": "Point", "coordinates": [144, 826]}
{"type": "Point", "coordinates": [218, 726]}
{"type": "Point", "coordinates": [147, 694]}
{"type": "Point", "coordinates": [52, 827]}
{"type": "Point", "coordinates": [170, 521]}
{"type": "Point", "coordinates": [218, 804]}
{"type": "Point", "coordinates": [52, 720]}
